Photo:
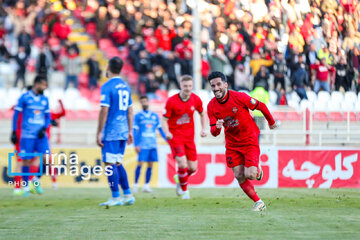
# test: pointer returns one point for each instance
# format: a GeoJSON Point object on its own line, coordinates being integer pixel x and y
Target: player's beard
{"type": "Point", "coordinates": [222, 92]}
{"type": "Point", "coordinates": [40, 91]}
{"type": "Point", "coordinates": [145, 108]}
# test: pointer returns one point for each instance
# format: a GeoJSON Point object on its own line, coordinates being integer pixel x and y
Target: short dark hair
{"type": "Point", "coordinates": [144, 97]}
{"type": "Point", "coordinates": [39, 79]}
{"type": "Point", "coordinates": [217, 74]}
{"type": "Point", "coordinates": [115, 65]}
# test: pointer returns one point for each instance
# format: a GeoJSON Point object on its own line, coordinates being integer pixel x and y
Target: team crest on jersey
{"type": "Point", "coordinates": [192, 108]}
{"type": "Point", "coordinates": [235, 109]}
{"type": "Point", "coordinates": [253, 101]}
{"type": "Point", "coordinates": [43, 102]}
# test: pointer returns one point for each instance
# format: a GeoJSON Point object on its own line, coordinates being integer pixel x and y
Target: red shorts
{"type": "Point", "coordinates": [247, 155]}
{"type": "Point", "coordinates": [180, 149]}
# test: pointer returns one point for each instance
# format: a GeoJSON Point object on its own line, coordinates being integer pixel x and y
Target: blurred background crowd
{"type": "Point", "coordinates": [279, 45]}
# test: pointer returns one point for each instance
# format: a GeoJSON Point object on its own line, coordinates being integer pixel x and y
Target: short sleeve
{"type": "Point", "coordinates": [248, 101]}
{"type": "Point", "coordinates": [105, 96]}
{"type": "Point", "coordinates": [168, 109]}
{"type": "Point", "coordinates": [20, 105]}
{"type": "Point", "coordinates": [199, 105]}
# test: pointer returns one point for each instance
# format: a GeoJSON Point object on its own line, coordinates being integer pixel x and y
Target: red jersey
{"type": "Point", "coordinates": [180, 115]}
{"type": "Point", "coordinates": [240, 128]}
{"type": "Point", "coordinates": [322, 72]}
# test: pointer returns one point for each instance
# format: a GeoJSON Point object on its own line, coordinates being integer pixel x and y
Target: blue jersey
{"type": "Point", "coordinates": [145, 125]}
{"type": "Point", "coordinates": [35, 114]}
{"type": "Point", "coordinates": [116, 95]}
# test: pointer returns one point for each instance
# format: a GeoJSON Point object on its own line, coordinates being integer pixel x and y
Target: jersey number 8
{"type": "Point", "coordinates": [123, 100]}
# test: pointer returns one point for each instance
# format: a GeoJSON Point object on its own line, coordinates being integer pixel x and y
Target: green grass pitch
{"type": "Point", "coordinates": [73, 213]}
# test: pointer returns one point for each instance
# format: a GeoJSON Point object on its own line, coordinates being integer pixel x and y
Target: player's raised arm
{"type": "Point", "coordinates": [265, 111]}
{"type": "Point", "coordinates": [254, 104]}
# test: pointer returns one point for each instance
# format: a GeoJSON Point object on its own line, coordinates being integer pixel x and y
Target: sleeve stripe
{"type": "Point", "coordinates": [256, 105]}
{"type": "Point", "coordinates": [104, 105]}
{"type": "Point", "coordinates": [211, 125]}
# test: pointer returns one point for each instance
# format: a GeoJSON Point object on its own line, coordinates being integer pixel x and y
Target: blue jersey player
{"type": "Point", "coordinates": [145, 125]}
{"type": "Point", "coordinates": [35, 120]}
{"type": "Point", "coordinates": [115, 130]}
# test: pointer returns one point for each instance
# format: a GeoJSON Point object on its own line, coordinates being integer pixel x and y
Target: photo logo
{"type": "Point", "coordinates": [59, 164]}
{"type": "Point", "coordinates": [24, 156]}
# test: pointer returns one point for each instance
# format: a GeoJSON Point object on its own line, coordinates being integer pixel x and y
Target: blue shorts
{"type": "Point", "coordinates": [148, 155]}
{"type": "Point", "coordinates": [113, 151]}
{"type": "Point", "coordinates": [34, 145]}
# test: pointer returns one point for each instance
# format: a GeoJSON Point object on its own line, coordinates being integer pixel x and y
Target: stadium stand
{"type": "Point", "coordinates": [237, 38]}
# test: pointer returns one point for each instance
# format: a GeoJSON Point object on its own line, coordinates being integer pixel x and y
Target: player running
{"type": "Point", "coordinates": [115, 130]}
{"type": "Point", "coordinates": [178, 125]}
{"type": "Point", "coordinates": [35, 120]}
{"type": "Point", "coordinates": [230, 109]}
{"type": "Point", "coordinates": [145, 125]}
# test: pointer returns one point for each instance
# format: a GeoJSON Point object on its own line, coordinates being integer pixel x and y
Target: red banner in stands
{"type": "Point", "coordinates": [319, 168]}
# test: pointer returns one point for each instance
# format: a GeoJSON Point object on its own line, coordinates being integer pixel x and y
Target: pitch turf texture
{"type": "Point", "coordinates": [210, 214]}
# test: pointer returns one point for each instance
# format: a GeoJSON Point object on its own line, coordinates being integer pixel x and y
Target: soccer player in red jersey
{"type": "Point", "coordinates": [230, 109]}
{"type": "Point", "coordinates": [178, 126]}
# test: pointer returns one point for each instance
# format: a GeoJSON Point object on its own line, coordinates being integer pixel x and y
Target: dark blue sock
{"type": "Point", "coordinates": [25, 169]}
{"type": "Point", "coordinates": [137, 174]}
{"type": "Point", "coordinates": [114, 182]}
{"type": "Point", "coordinates": [148, 175]}
{"type": "Point", "coordinates": [123, 180]}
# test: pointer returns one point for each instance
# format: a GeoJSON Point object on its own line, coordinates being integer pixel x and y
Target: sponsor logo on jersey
{"type": "Point", "coordinates": [183, 120]}
{"type": "Point", "coordinates": [36, 112]}
{"type": "Point", "coordinates": [230, 122]}
{"type": "Point", "coordinates": [103, 97]}
{"type": "Point", "coordinates": [149, 125]}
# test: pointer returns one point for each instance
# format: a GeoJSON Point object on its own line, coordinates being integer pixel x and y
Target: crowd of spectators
{"type": "Point", "coordinates": [282, 45]}
{"type": "Point", "coordinates": [47, 26]}
{"type": "Point", "coordinates": [300, 45]}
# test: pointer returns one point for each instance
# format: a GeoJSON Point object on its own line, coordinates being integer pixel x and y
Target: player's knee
{"type": "Point", "coordinates": [150, 164]}
{"type": "Point", "coordinates": [250, 175]}
{"type": "Point", "coordinates": [240, 177]}
{"type": "Point", "coordinates": [181, 162]}
{"type": "Point", "coordinates": [192, 169]}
